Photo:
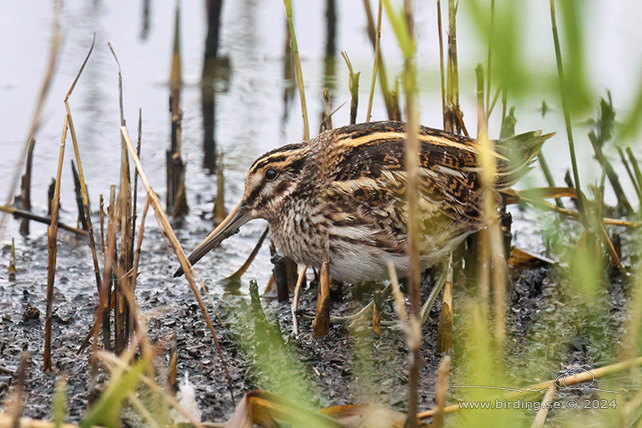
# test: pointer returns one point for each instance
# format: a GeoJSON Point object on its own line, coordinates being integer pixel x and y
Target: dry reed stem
{"type": "Point", "coordinates": [445, 330]}
{"type": "Point", "coordinates": [239, 273]}
{"type": "Point", "coordinates": [178, 249]}
{"type": "Point", "coordinates": [521, 197]}
{"type": "Point", "coordinates": [139, 245]}
{"type": "Point", "coordinates": [12, 261]}
{"type": "Point", "coordinates": [442, 74]}
{"type": "Point", "coordinates": [326, 115]}
{"type": "Point", "coordinates": [375, 65]}
{"type": "Point", "coordinates": [123, 318]}
{"type": "Point", "coordinates": [414, 217]}
{"type": "Point", "coordinates": [112, 362]}
{"type": "Point", "coordinates": [219, 203]}
{"type": "Point", "coordinates": [443, 375]}
{"type": "Point", "coordinates": [540, 418]}
{"type": "Point", "coordinates": [376, 312]}
{"type": "Point", "coordinates": [83, 185]}
{"type": "Point", "coordinates": [400, 304]}
{"type": "Point", "coordinates": [391, 106]}
{"type": "Point", "coordinates": [299, 72]}
{"type": "Point", "coordinates": [295, 299]}
{"type": "Point", "coordinates": [542, 387]}
{"type": "Point", "coordinates": [135, 195]}
{"type": "Point", "coordinates": [56, 39]}
{"type": "Point", "coordinates": [40, 219]}
{"type": "Point", "coordinates": [52, 233]}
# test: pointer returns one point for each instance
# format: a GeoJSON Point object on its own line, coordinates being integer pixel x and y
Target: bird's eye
{"type": "Point", "coordinates": [270, 174]}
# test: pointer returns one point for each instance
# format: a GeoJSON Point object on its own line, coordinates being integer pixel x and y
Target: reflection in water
{"type": "Point", "coordinates": [208, 97]}
{"type": "Point", "coordinates": [329, 61]}
{"type": "Point", "coordinates": [145, 28]}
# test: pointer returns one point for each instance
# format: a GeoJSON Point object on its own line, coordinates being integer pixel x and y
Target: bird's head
{"type": "Point", "coordinates": [271, 180]}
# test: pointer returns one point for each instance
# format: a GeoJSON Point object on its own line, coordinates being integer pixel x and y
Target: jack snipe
{"type": "Point", "coordinates": [348, 186]}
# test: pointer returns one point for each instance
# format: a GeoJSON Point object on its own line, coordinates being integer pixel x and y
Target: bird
{"type": "Point", "coordinates": [346, 188]}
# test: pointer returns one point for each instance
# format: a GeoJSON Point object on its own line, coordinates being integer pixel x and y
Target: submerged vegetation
{"type": "Point", "coordinates": [497, 336]}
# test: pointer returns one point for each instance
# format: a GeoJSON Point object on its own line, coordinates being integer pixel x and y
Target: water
{"type": "Point", "coordinates": [251, 118]}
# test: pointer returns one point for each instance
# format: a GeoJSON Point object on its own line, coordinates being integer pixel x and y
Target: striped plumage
{"type": "Point", "coordinates": [348, 186]}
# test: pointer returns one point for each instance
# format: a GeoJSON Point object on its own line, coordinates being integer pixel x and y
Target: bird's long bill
{"type": "Point", "coordinates": [237, 218]}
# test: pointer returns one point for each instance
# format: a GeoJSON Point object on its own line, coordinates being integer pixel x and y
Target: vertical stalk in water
{"type": "Point", "coordinates": [567, 114]}
{"type": "Point", "coordinates": [299, 71]}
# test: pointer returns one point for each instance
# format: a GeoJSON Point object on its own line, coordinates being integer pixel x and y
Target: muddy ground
{"type": "Point", "coordinates": [350, 365]}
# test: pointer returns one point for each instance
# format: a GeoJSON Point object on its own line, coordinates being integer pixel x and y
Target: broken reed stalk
{"type": "Point", "coordinates": [326, 114]}
{"type": "Point", "coordinates": [25, 186]}
{"type": "Point", "coordinates": [135, 194]}
{"type": "Point", "coordinates": [81, 176]}
{"type": "Point", "coordinates": [567, 114]}
{"type": "Point", "coordinates": [12, 261]}
{"type": "Point", "coordinates": [375, 64]}
{"type": "Point", "coordinates": [123, 320]}
{"type": "Point", "coordinates": [297, 64]}
{"type": "Point", "coordinates": [353, 84]}
{"type": "Point", "coordinates": [453, 122]}
{"type": "Point", "coordinates": [52, 233]}
{"type": "Point", "coordinates": [56, 39]}
{"type": "Point", "coordinates": [176, 196]}
{"type": "Point", "coordinates": [219, 201]}
{"type": "Point", "coordinates": [40, 219]}
{"type": "Point", "coordinates": [178, 249]}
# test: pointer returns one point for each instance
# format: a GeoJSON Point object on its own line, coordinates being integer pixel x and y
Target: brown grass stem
{"type": "Point", "coordinates": [540, 418]}
{"type": "Point", "coordinates": [40, 219]}
{"type": "Point", "coordinates": [178, 249]}
{"type": "Point", "coordinates": [295, 299]}
{"type": "Point", "coordinates": [533, 391]}
{"type": "Point", "coordinates": [375, 65]}
{"type": "Point", "coordinates": [81, 175]}
{"type": "Point", "coordinates": [299, 71]}
{"type": "Point", "coordinates": [52, 233]}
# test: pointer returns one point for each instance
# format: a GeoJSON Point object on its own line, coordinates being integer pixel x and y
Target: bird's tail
{"type": "Point", "coordinates": [517, 155]}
